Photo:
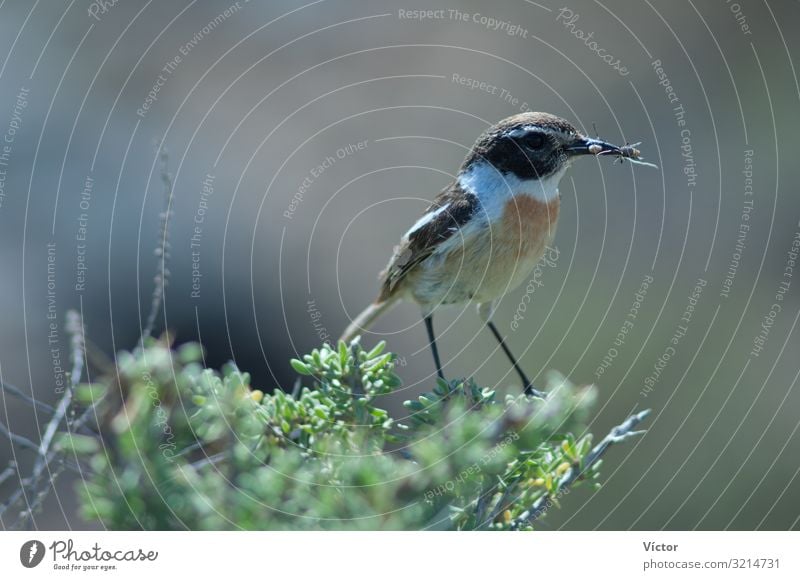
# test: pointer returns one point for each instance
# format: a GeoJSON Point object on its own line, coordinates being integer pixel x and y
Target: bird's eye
{"type": "Point", "coordinates": [534, 141]}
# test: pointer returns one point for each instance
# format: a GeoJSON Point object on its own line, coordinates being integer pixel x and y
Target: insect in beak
{"type": "Point", "coordinates": [590, 146]}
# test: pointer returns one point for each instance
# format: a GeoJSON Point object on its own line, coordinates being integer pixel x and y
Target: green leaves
{"type": "Point", "coordinates": [77, 444]}
{"type": "Point", "coordinates": [427, 408]}
{"type": "Point", "coordinates": [300, 367]}
{"type": "Point", "coordinates": [87, 394]}
{"type": "Point", "coordinates": [188, 447]}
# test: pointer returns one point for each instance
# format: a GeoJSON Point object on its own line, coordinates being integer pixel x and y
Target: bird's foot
{"type": "Point", "coordinates": [532, 391]}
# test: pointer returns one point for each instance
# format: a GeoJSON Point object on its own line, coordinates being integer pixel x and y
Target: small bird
{"type": "Point", "coordinates": [486, 230]}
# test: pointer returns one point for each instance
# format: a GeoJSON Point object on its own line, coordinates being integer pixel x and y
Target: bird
{"type": "Point", "coordinates": [485, 231]}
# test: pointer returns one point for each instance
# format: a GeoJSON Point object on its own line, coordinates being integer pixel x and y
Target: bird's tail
{"type": "Point", "coordinates": [366, 318]}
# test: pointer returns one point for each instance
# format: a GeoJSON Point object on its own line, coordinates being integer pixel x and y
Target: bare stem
{"type": "Point", "coordinates": [15, 391]}
{"type": "Point", "coordinates": [23, 442]}
{"type": "Point", "coordinates": [162, 251]}
{"type": "Point", "coordinates": [619, 433]}
{"type": "Point", "coordinates": [32, 489]}
{"type": "Point", "coordinates": [10, 470]}
{"type": "Point", "coordinates": [74, 327]}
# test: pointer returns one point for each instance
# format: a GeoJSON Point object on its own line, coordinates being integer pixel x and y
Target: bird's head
{"type": "Point", "coordinates": [536, 146]}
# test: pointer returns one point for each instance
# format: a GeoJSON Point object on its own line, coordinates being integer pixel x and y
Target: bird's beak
{"type": "Point", "coordinates": [588, 146]}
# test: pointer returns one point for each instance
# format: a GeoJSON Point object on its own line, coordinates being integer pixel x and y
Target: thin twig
{"type": "Point", "coordinates": [23, 442]}
{"type": "Point", "coordinates": [12, 390]}
{"type": "Point", "coordinates": [13, 498]}
{"type": "Point", "coordinates": [357, 388]}
{"type": "Point", "coordinates": [501, 503]}
{"type": "Point", "coordinates": [40, 405]}
{"type": "Point", "coordinates": [10, 470]}
{"type": "Point", "coordinates": [619, 433]}
{"type": "Point", "coordinates": [162, 251]}
{"type": "Point", "coordinates": [74, 327]}
{"type": "Point", "coordinates": [32, 486]}
{"type": "Point", "coordinates": [51, 456]}
{"type": "Point", "coordinates": [482, 504]}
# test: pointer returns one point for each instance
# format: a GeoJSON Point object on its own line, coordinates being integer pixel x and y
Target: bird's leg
{"type": "Point", "coordinates": [529, 388]}
{"type": "Point", "coordinates": [485, 311]}
{"type": "Point", "coordinates": [434, 349]}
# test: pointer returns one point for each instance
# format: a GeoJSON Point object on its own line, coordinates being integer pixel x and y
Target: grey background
{"type": "Point", "coordinates": [277, 87]}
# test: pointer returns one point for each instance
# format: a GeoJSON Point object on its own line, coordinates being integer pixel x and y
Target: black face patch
{"type": "Point", "coordinates": [528, 156]}
{"type": "Point", "coordinates": [527, 145]}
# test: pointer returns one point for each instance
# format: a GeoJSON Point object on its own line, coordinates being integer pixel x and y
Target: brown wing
{"type": "Point", "coordinates": [457, 207]}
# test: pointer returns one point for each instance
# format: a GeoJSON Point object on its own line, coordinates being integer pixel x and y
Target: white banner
{"type": "Point", "coordinates": [354, 555]}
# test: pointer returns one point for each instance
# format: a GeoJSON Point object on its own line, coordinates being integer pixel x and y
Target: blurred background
{"type": "Point", "coordinates": [305, 138]}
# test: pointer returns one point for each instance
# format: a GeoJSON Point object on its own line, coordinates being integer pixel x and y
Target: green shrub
{"type": "Point", "coordinates": [181, 446]}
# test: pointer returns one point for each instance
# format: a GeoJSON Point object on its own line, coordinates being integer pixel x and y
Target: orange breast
{"type": "Point", "coordinates": [527, 226]}
{"type": "Point", "coordinates": [514, 245]}
{"type": "Point", "coordinates": [489, 261]}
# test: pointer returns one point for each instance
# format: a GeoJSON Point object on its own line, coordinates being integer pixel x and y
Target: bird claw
{"type": "Point", "coordinates": [532, 391]}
